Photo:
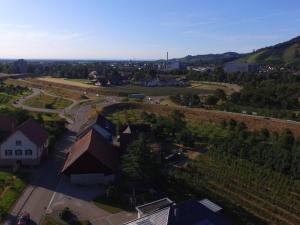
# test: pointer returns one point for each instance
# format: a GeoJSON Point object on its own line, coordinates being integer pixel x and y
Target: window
{"type": "Point", "coordinates": [18, 142]}
{"type": "Point", "coordinates": [18, 152]}
{"type": "Point", "coordinates": [8, 152]}
{"type": "Point", "coordinates": [28, 152]}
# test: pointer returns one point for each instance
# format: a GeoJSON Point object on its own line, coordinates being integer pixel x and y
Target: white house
{"type": "Point", "coordinates": [25, 146]}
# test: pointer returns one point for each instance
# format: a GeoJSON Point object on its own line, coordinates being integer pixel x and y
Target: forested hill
{"type": "Point", "coordinates": [198, 60]}
{"type": "Point", "coordinates": [286, 53]}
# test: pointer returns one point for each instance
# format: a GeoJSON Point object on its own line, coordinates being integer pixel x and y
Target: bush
{"type": "Point", "coordinates": [66, 214]}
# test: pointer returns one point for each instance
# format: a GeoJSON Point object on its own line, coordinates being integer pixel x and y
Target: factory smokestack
{"type": "Point", "coordinates": [167, 61]}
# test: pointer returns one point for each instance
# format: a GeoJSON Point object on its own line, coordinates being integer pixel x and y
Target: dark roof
{"type": "Point", "coordinates": [98, 147]}
{"type": "Point", "coordinates": [7, 123]}
{"type": "Point", "coordinates": [33, 130]}
{"type": "Point", "coordinates": [106, 124]}
{"type": "Point", "coordinates": [193, 212]}
{"type": "Point", "coordinates": [189, 212]}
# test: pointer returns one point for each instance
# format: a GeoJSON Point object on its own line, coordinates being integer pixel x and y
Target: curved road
{"type": "Point", "coordinates": [36, 92]}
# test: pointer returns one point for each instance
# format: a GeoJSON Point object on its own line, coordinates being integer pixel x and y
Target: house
{"type": "Point", "coordinates": [93, 75]}
{"type": "Point", "coordinates": [167, 81]}
{"type": "Point", "coordinates": [24, 145]}
{"type": "Point", "coordinates": [92, 159]}
{"type": "Point", "coordinates": [7, 126]}
{"type": "Point", "coordinates": [191, 212]}
{"type": "Point", "coordinates": [95, 156]}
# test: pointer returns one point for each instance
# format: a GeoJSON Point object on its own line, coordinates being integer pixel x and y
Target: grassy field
{"type": "Point", "coordinates": [59, 91]}
{"type": "Point", "coordinates": [49, 102]}
{"type": "Point", "coordinates": [11, 188]}
{"type": "Point", "coordinates": [203, 115]}
{"type": "Point", "coordinates": [228, 88]}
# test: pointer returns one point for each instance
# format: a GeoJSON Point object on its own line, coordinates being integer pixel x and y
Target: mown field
{"type": "Point", "coordinates": [11, 187]}
{"type": "Point", "coordinates": [202, 88]}
{"type": "Point", "coordinates": [49, 102]}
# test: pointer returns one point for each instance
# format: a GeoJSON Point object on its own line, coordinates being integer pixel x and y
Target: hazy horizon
{"type": "Point", "coordinates": [141, 30]}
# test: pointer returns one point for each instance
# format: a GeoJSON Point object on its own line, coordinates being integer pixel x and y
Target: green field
{"type": "Point", "coordinates": [49, 102]}
{"type": "Point", "coordinates": [11, 187]}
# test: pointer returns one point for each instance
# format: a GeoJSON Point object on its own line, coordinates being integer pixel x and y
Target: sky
{"type": "Point", "coordinates": [142, 29]}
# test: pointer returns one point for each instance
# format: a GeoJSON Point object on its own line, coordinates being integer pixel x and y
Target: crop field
{"type": "Point", "coordinates": [247, 191]}
{"type": "Point", "coordinates": [11, 188]}
{"type": "Point", "coordinates": [268, 195]}
{"type": "Point", "coordinates": [49, 102]}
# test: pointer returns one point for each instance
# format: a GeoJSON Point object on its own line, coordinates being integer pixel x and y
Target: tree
{"type": "Point", "coordinates": [139, 165]}
{"type": "Point", "coordinates": [211, 100]}
{"type": "Point", "coordinates": [220, 94]}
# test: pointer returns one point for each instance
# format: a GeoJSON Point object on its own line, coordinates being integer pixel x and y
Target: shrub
{"type": "Point", "coordinates": [66, 214]}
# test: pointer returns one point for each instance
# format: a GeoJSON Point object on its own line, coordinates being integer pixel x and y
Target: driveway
{"type": "Point", "coordinates": [78, 199]}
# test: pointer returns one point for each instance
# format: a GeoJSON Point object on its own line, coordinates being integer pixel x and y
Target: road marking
{"type": "Point", "coordinates": [53, 196]}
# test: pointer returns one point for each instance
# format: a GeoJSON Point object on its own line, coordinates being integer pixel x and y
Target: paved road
{"type": "Point", "coordinates": [36, 92]}
{"type": "Point", "coordinates": [39, 192]}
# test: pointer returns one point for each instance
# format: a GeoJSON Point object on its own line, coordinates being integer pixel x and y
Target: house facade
{"type": "Point", "coordinates": [24, 146]}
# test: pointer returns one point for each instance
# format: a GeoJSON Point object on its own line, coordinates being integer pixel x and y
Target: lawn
{"type": "Point", "coordinates": [48, 220]}
{"type": "Point", "coordinates": [49, 102]}
{"type": "Point", "coordinates": [110, 206]}
{"type": "Point", "coordinates": [11, 187]}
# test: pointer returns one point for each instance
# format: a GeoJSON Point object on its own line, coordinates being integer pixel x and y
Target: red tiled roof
{"type": "Point", "coordinates": [32, 130]}
{"type": "Point", "coordinates": [98, 147]}
{"type": "Point", "coordinates": [7, 123]}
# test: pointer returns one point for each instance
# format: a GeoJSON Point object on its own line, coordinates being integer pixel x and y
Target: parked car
{"type": "Point", "coordinates": [24, 219]}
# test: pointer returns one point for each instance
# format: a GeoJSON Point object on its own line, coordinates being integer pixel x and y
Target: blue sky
{"type": "Point", "coordinates": [142, 29]}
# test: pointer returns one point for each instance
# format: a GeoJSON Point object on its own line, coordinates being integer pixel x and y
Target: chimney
{"type": "Point", "coordinates": [167, 61]}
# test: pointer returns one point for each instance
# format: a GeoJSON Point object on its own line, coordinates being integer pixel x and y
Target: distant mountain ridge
{"type": "Point", "coordinates": [286, 53]}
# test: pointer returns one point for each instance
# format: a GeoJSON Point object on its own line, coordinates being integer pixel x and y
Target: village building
{"type": "Point", "coordinates": [92, 159]}
{"type": "Point", "coordinates": [26, 144]}
{"type": "Point", "coordinates": [167, 212]}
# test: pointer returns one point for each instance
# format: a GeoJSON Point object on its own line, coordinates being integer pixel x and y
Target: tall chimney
{"type": "Point", "coordinates": [167, 61]}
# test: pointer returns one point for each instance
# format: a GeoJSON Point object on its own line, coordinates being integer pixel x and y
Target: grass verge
{"type": "Point", "coordinates": [49, 102]}
{"type": "Point", "coordinates": [11, 187]}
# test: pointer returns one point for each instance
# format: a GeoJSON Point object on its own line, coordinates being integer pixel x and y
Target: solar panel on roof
{"type": "Point", "coordinates": [210, 205]}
